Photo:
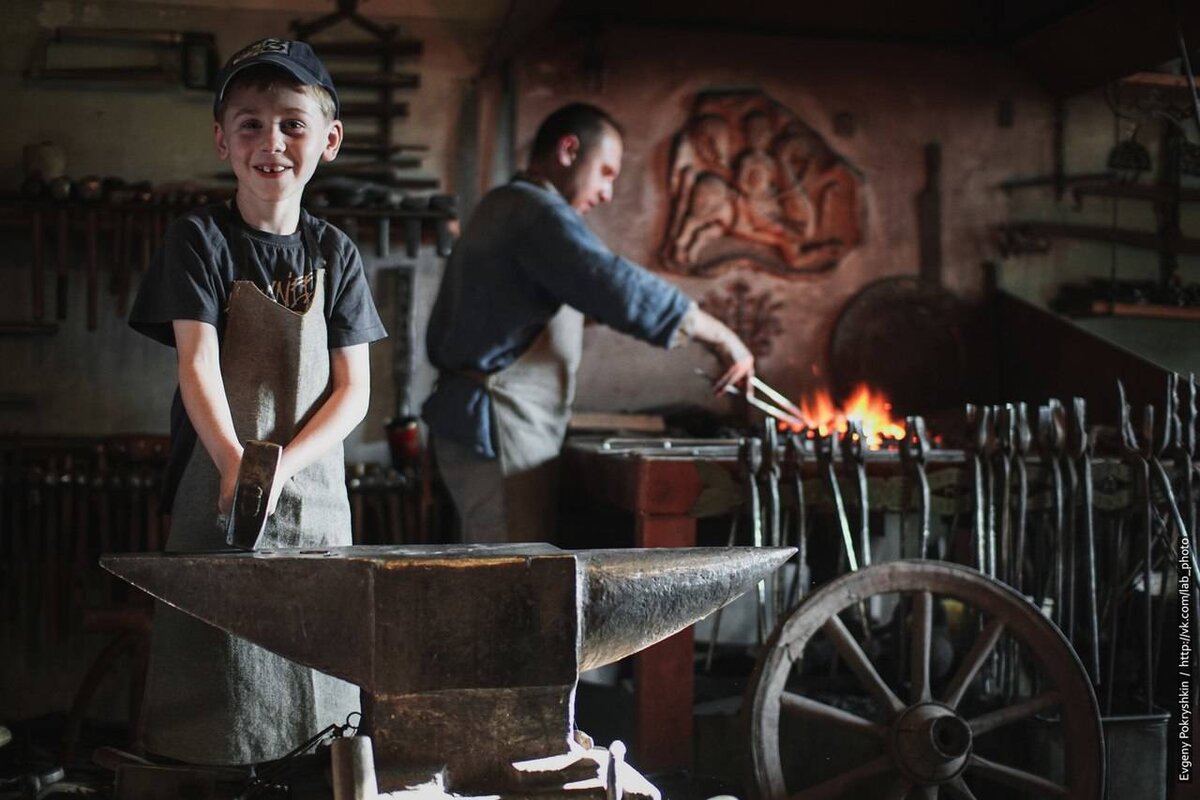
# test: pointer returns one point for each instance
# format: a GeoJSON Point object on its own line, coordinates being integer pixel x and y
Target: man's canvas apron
{"type": "Point", "coordinates": [531, 405]}
{"type": "Point", "coordinates": [513, 498]}
{"type": "Point", "coordinates": [215, 698]}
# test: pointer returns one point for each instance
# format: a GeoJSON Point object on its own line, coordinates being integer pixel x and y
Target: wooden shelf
{"type": "Point", "coordinates": [1156, 80]}
{"type": "Point", "coordinates": [1135, 192]}
{"type": "Point", "coordinates": [399, 48]}
{"type": "Point", "coordinates": [1054, 180]}
{"type": "Point", "coordinates": [363, 109]}
{"type": "Point", "coordinates": [378, 80]}
{"type": "Point", "coordinates": [27, 328]}
{"type": "Point", "coordinates": [1099, 233]}
{"type": "Point", "coordinates": [1145, 310]}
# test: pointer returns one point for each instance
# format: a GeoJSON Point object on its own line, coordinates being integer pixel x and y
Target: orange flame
{"type": "Point", "coordinates": [868, 407]}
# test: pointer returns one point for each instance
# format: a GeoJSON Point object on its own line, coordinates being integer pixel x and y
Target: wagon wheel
{"type": "Point", "coordinates": [928, 745]}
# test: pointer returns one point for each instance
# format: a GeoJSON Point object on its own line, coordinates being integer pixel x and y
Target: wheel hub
{"type": "Point", "coordinates": [930, 743]}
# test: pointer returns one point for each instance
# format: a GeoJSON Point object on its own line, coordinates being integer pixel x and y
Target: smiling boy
{"type": "Point", "coordinates": [270, 314]}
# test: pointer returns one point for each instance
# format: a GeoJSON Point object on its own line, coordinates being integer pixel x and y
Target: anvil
{"type": "Point", "coordinates": [467, 655]}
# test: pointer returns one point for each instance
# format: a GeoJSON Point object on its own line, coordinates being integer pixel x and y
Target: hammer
{"type": "Point", "coordinates": [256, 476]}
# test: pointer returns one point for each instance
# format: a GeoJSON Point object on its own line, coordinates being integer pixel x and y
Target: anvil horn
{"type": "Point", "coordinates": [634, 598]}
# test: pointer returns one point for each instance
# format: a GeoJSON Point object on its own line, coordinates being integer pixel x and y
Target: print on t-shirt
{"type": "Point", "coordinates": [295, 291]}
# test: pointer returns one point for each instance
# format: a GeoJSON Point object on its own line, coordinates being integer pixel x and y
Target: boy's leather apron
{"type": "Point", "coordinates": [531, 404]}
{"type": "Point", "coordinates": [213, 698]}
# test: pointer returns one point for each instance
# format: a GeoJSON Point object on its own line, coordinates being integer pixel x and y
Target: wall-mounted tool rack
{"type": "Point", "coordinates": [187, 57]}
{"type": "Point", "coordinates": [369, 93]}
{"type": "Point", "coordinates": [109, 241]}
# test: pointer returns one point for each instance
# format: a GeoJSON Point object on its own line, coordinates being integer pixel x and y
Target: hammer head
{"type": "Point", "coordinates": [256, 476]}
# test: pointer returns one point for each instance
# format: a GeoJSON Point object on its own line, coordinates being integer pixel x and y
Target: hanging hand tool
{"type": "Point", "coordinates": [1172, 435]}
{"type": "Point", "coordinates": [913, 449]}
{"type": "Point", "coordinates": [750, 456]}
{"type": "Point", "coordinates": [1005, 438]}
{"type": "Point", "coordinates": [1050, 437]}
{"type": "Point", "coordinates": [1183, 453]}
{"type": "Point", "coordinates": [855, 465]}
{"type": "Point", "coordinates": [256, 477]}
{"type": "Point", "coordinates": [414, 207]}
{"type": "Point", "coordinates": [749, 465]}
{"type": "Point", "coordinates": [825, 448]}
{"type": "Point", "coordinates": [1021, 470]}
{"type": "Point", "coordinates": [793, 461]}
{"type": "Point", "coordinates": [990, 445]}
{"type": "Point", "coordinates": [383, 235]}
{"type": "Point", "coordinates": [769, 476]}
{"type": "Point", "coordinates": [1014, 551]}
{"type": "Point", "coordinates": [447, 207]}
{"type": "Point", "coordinates": [1115, 592]}
{"type": "Point", "coordinates": [1071, 495]}
{"type": "Point", "coordinates": [977, 418]}
{"type": "Point", "coordinates": [1139, 465]}
{"type": "Point", "coordinates": [1079, 449]}
{"type": "Point", "coordinates": [715, 635]}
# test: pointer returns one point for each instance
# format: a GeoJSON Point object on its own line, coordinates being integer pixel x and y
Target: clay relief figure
{"type": "Point", "coordinates": [751, 185]}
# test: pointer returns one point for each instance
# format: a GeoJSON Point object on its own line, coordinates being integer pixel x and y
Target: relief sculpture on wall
{"type": "Point", "coordinates": [752, 185]}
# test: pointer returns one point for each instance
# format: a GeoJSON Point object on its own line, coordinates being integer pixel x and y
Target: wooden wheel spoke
{"type": "Point", "coordinates": [922, 635]}
{"type": "Point", "coordinates": [837, 785]}
{"type": "Point", "coordinates": [800, 706]}
{"type": "Point", "coordinates": [958, 788]}
{"type": "Point", "coordinates": [1016, 778]}
{"type": "Point", "coordinates": [1004, 716]}
{"type": "Point", "coordinates": [978, 655]}
{"type": "Point", "coordinates": [860, 664]}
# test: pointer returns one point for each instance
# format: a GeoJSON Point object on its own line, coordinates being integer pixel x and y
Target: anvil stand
{"type": "Point", "coordinates": [468, 656]}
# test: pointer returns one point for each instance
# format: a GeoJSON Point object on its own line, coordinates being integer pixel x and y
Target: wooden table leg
{"type": "Point", "coordinates": [663, 673]}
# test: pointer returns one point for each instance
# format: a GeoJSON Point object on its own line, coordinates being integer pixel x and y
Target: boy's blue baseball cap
{"type": "Point", "coordinates": [296, 58]}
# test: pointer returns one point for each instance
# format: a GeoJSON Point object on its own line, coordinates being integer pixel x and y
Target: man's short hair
{"type": "Point", "coordinates": [583, 120]}
{"type": "Point", "coordinates": [265, 77]}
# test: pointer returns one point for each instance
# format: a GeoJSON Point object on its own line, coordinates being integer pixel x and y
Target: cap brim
{"type": "Point", "coordinates": [297, 71]}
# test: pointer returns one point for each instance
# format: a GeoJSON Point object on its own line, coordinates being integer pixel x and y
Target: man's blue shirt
{"type": "Point", "coordinates": [523, 255]}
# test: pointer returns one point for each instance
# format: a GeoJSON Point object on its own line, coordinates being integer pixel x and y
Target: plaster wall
{"type": "Point", "coordinates": [901, 97]}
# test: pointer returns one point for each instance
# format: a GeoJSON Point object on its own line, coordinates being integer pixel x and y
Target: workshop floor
{"type": "Point", "coordinates": [602, 711]}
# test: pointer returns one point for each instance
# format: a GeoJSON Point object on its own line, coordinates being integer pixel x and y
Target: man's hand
{"type": "Point", "coordinates": [741, 372]}
{"type": "Point", "coordinates": [732, 351]}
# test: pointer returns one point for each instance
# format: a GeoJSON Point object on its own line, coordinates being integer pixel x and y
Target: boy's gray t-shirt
{"type": "Point", "coordinates": [206, 250]}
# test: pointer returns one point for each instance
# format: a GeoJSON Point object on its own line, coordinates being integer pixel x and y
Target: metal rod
{"type": "Point", "coordinates": [778, 397]}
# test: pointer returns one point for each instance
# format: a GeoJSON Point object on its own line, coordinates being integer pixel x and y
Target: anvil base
{"type": "Point", "coordinates": [578, 774]}
{"type": "Point", "coordinates": [484, 731]}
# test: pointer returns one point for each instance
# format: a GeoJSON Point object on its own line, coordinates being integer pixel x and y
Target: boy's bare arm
{"type": "Point", "coordinates": [350, 376]}
{"type": "Point", "coordinates": [203, 393]}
